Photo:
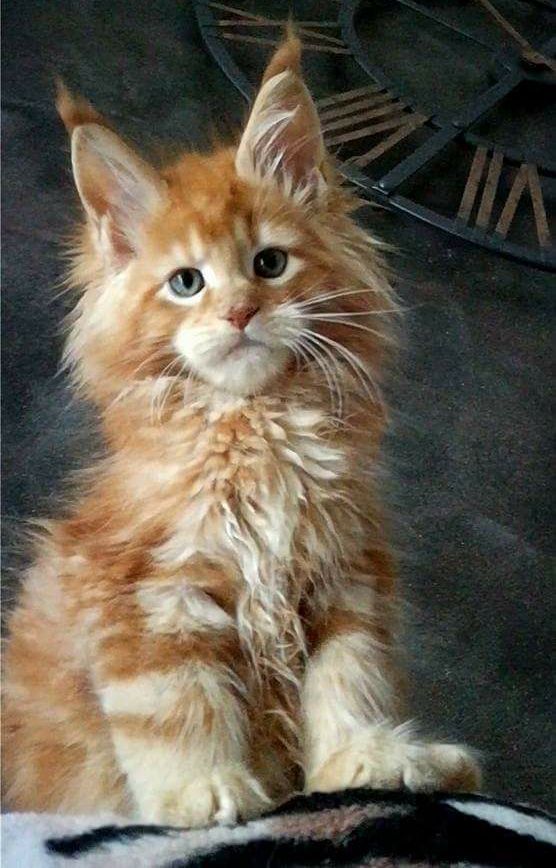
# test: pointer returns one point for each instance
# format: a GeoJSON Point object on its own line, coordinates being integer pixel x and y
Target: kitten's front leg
{"type": "Point", "coordinates": [351, 696]}
{"type": "Point", "coordinates": [179, 724]}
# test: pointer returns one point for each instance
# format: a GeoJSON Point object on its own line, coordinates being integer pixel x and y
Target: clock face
{"type": "Point", "coordinates": [445, 111]}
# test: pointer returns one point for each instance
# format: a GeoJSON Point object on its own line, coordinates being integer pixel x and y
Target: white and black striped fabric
{"type": "Point", "coordinates": [364, 828]}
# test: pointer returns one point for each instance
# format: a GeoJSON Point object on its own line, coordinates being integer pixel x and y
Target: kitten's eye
{"type": "Point", "coordinates": [186, 282]}
{"type": "Point", "coordinates": [270, 262]}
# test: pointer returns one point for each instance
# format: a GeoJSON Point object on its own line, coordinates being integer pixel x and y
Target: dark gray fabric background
{"type": "Point", "coordinates": [470, 449]}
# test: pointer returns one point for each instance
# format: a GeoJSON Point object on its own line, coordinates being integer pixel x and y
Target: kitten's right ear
{"type": "Point", "coordinates": [118, 189]}
{"type": "Point", "coordinates": [283, 138]}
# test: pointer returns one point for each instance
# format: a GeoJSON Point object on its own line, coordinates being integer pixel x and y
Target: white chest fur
{"type": "Point", "coordinates": [255, 479]}
{"type": "Point", "coordinates": [263, 497]}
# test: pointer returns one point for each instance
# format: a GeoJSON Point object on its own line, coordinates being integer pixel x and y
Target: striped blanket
{"type": "Point", "coordinates": [354, 828]}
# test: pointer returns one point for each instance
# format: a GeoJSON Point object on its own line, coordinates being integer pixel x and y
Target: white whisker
{"type": "Point", "coordinates": [355, 362]}
{"type": "Point", "coordinates": [337, 391]}
{"type": "Point", "coordinates": [166, 374]}
{"type": "Point", "coordinates": [354, 325]}
{"type": "Point", "coordinates": [348, 313]}
{"type": "Point", "coordinates": [330, 296]}
{"type": "Point", "coordinates": [308, 353]}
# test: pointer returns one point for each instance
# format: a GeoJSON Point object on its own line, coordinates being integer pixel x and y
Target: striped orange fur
{"type": "Point", "coordinates": [210, 626]}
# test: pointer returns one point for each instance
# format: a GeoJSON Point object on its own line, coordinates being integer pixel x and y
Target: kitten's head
{"type": "Point", "coordinates": [234, 269]}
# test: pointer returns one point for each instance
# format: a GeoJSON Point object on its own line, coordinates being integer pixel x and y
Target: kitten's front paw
{"type": "Point", "coordinates": [223, 796]}
{"type": "Point", "coordinates": [382, 759]}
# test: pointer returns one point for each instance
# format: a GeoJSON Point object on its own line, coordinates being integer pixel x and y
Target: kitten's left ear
{"type": "Point", "coordinates": [283, 139]}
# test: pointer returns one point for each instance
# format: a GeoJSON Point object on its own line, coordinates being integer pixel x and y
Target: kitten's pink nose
{"type": "Point", "coordinates": [240, 316]}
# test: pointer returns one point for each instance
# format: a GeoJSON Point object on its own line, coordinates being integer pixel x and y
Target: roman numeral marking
{"type": "Point", "coordinates": [343, 113]}
{"type": "Point", "coordinates": [317, 32]}
{"type": "Point", "coordinates": [539, 211]}
{"type": "Point", "coordinates": [527, 176]}
{"type": "Point", "coordinates": [472, 185]}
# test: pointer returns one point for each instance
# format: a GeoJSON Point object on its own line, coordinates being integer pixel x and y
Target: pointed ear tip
{"type": "Point", "coordinates": [74, 110]}
{"type": "Point", "coordinates": [60, 87]}
{"type": "Point", "coordinates": [287, 56]}
{"type": "Point", "coordinates": [292, 34]}
{"type": "Point", "coordinates": [63, 99]}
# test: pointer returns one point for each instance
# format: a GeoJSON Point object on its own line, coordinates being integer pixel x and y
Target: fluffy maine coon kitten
{"type": "Point", "coordinates": [211, 626]}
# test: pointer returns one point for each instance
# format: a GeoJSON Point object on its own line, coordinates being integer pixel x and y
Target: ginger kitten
{"type": "Point", "coordinates": [210, 628]}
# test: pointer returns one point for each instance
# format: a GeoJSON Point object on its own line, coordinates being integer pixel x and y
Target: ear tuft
{"type": "Point", "coordinates": [286, 57]}
{"type": "Point", "coordinates": [75, 110]}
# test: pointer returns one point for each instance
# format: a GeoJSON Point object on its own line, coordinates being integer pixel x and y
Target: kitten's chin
{"type": "Point", "coordinates": [245, 371]}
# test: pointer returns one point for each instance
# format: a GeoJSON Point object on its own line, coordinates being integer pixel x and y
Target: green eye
{"type": "Point", "coordinates": [270, 262]}
{"type": "Point", "coordinates": [186, 282]}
